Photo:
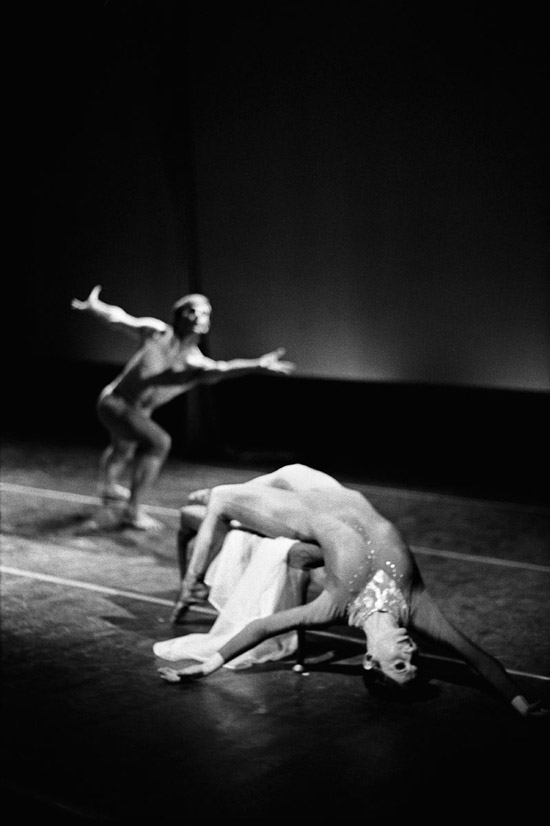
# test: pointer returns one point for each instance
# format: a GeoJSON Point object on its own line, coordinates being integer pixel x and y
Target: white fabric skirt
{"type": "Point", "coordinates": [249, 579]}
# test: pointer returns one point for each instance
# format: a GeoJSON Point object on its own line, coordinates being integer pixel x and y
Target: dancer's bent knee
{"type": "Point", "coordinates": [156, 448]}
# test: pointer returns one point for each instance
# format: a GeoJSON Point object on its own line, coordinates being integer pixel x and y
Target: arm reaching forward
{"type": "Point", "coordinates": [316, 614]}
{"type": "Point", "coordinates": [214, 371]}
{"type": "Point", "coordinates": [116, 317]}
{"type": "Point", "coordinates": [430, 620]}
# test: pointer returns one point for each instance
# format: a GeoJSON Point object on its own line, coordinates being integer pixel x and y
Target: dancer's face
{"type": "Point", "coordinates": [195, 318]}
{"type": "Point", "coordinates": [392, 652]}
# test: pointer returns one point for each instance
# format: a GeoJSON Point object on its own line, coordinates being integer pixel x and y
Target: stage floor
{"type": "Point", "coordinates": [90, 733]}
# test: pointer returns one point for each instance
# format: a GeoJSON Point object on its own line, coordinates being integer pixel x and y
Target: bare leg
{"type": "Point", "coordinates": [147, 465]}
{"type": "Point", "coordinates": [112, 465]}
{"type": "Point", "coordinates": [190, 521]}
{"type": "Point", "coordinates": [191, 517]}
{"type": "Point", "coordinates": [133, 432]}
{"type": "Point", "coordinates": [115, 460]}
{"type": "Point", "coordinates": [206, 546]}
{"type": "Point", "coordinates": [196, 594]}
{"type": "Point", "coordinates": [145, 472]}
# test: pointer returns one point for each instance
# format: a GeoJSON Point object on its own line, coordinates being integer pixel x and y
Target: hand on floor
{"type": "Point", "coordinates": [173, 676]}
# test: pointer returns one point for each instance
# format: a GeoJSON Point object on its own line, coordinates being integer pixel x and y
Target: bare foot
{"type": "Point", "coordinates": [113, 492]}
{"type": "Point", "coordinates": [139, 521]}
{"type": "Point", "coordinates": [197, 594]}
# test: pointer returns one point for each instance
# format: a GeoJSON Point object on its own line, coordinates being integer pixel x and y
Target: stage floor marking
{"type": "Point", "coordinates": [161, 511]}
{"type": "Point", "coordinates": [103, 589]}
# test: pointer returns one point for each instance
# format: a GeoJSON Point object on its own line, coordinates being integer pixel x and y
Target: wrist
{"type": "Point", "coordinates": [521, 705]}
{"type": "Point", "coordinates": [212, 663]}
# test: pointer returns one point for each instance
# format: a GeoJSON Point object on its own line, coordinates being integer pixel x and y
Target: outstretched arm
{"type": "Point", "coordinates": [214, 371]}
{"type": "Point", "coordinates": [318, 613]}
{"type": "Point", "coordinates": [116, 317]}
{"type": "Point", "coordinates": [428, 619]}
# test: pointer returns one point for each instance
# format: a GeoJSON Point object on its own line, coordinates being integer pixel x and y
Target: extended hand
{"type": "Point", "coordinates": [173, 676]}
{"type": "Point", "coordinates": [272, 362]}
{"type": "Point", "coordinates": [89, 303]}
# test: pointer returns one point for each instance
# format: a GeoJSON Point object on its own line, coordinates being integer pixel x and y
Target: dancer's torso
{"type": "Point", "coordinates": [356, 541]}
{"type": "Point", "coordinates": [159, 371]}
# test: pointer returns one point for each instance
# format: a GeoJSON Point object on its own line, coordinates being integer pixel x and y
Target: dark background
{"type": "Point", "coordinates": [365, 184]}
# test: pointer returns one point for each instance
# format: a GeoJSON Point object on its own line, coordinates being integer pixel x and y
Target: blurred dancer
{"type": "Point", "coordinates": [167, 362]}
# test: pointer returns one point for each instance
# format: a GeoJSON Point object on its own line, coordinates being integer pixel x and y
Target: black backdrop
{"type": "Point", "coordinates": [366, 184]}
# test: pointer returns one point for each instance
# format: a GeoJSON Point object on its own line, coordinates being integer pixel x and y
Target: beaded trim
{"type": "Point", "coordinates": [379, 594]}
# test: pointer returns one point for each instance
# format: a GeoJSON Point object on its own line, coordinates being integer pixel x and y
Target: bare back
{"type": "Point", "coordinates": [354, 538]}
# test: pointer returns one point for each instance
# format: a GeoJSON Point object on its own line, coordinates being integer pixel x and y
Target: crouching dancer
{"type": "Point", "coordinates": [167, 363]}
{"type": "Point", "coordinates": [371, 582]}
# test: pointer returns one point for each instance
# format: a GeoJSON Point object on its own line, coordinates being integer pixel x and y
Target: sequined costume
{"type": "Point", "coordinates": [381, 593]}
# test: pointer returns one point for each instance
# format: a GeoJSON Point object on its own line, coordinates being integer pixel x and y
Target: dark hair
{"type": "Point", "coordinates": [379, 684]}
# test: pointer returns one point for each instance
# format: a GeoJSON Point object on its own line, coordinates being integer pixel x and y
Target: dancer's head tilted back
{"type": "Point", "coordinates": [381, 611]}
